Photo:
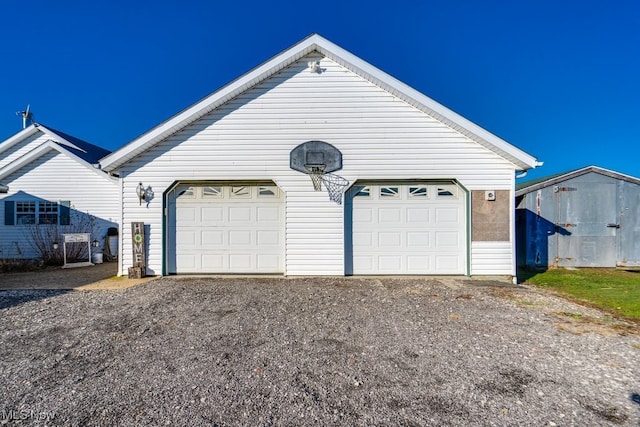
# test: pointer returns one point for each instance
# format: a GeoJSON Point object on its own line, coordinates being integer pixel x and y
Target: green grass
{"type": "Point", "coordinates": [616, 291]}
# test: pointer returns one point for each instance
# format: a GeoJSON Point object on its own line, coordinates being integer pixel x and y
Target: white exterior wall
{"type": "Point", "coordinates": [497, 258]}
{"type": "Point", "coordinates": [251, 136]}
{"type": "Point", "coordinates": [55, 177]}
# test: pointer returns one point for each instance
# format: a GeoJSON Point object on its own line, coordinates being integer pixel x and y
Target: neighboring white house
{"type": "Point", "coordinates": [52, 178]}
{"type": "Point", "coordinates": [429, 192]}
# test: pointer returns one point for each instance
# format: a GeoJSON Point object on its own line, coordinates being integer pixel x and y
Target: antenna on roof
{"type": "Point", "coordinates": [27, 116]}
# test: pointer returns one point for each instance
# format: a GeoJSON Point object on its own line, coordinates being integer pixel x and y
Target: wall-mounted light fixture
{"type": "Point", "coordinates": [55, 246]}
{"type": "Point", "coordinates": [140, 192]}
{"type": "Point", "coordinates": [95, 243]}
{"type": "Point", "coordinates": [145, 194]}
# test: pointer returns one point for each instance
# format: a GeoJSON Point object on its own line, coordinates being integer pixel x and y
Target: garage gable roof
{"type": "Point", "coordinates": [527, 187]}
{"type": "Point", "coordinates": [315, 42]}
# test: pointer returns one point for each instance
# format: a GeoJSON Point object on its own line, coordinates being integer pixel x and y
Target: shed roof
{"type": "Point", "coordinates": [537, 184]}
{"type": "Point", "coordinates": [520, 159]}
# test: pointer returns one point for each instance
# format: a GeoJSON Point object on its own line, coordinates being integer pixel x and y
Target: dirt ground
{"type": "Point", "coordinates": [95, 277]}
{"type": "Point", "coordinates": [313, 351]}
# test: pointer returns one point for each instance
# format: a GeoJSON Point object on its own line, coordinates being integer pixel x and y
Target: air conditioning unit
{"type": "Point", "coordinates": [490, 195]}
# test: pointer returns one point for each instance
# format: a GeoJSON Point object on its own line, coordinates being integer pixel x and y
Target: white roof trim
{"type": "Point", "coordinates": [519, 158]}
{"type": "Point", "coordinates": [41, 150]}
{"type": "Point", "coordinates": [31, 130]}
{"type": "Point", "coordinates": [18, 137]}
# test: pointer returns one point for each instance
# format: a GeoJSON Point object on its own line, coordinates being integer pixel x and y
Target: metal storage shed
{"type": "Point", "coordinates": [583, 218]}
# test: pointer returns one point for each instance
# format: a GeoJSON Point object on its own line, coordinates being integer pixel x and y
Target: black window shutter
{"type": "Point", "coordinates": [65, 212]}
{"type": "Point", "coordinates": [9, 212]}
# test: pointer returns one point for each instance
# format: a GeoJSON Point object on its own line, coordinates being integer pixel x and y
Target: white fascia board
{"type": "Point", "coordinates": [61, 141]}
{"type": "Point", "coordinates": [519, 158]}
{"type": "Point", "coordinates": [41, 150]}
{"type": "Point", "coordinates": [20, 136]}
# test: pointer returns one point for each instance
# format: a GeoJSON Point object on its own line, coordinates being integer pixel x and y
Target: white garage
{"type": "Point", "coordinates": [426, 175]}
{"type": "Point", "coordinates": [414, 228]}
{"type": "Point", "coordinates": [232, 228]}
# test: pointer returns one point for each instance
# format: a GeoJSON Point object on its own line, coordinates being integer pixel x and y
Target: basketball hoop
{"type": "Point", "coordinates": [315, 172]}
{"type": "Point", "coordinates": [318, 159]}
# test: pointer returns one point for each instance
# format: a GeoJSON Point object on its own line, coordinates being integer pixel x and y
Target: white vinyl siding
{"type": "Point", "coordinates": [54, 177]}
{"type": "Point", "coordinates": [492, 258]}
{"type": "Point", "coordinates": [250, 138]}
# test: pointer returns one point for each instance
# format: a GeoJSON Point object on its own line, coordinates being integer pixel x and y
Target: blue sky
{"type": "Point", "coordinates": [558, 79]}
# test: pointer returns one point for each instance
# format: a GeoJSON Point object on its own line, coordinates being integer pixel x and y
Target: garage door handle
{"type": "Point", "coordinates": [613, 225]}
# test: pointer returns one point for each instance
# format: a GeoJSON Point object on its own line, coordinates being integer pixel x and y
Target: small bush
{"type": "Point", "coordinates": [41, 237]}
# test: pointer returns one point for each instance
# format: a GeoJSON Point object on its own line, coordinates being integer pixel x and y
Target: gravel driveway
{"type": "Point", "coordinates": [314, 351]}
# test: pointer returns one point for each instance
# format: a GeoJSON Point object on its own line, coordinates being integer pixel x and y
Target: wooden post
{"type": "Point", "coordinates": [139, 269]}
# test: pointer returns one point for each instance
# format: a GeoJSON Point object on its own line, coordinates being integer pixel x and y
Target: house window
{"type": "Point", "coordinates": [47, 213]}
{"type": "Point", "coordinates": [25, 213]}
{"type": "Point", "coordinates": [31, 213]}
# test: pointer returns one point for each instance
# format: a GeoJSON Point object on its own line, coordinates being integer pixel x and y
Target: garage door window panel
{"type": "Point", "coordinates": [389, 192]}
{"type": "Point", "coordinates": [212, 192]}
{"type": "Point", "coordinates": [418, 192]}
{"type": "Point", "coordinates": [364, 192]}
{"type": "Point", "coordinates": [268, 192]}
{"type": "Point", "coordinates": [188, 192]}
{"type": "Point", "coordinates": [449, 191]}
{"type": "Point", "coordinates": [243, 192]}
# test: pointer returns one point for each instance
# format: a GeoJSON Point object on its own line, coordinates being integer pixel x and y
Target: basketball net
{"type": "Point", "coordinates": [315, 172]}
{"type": "Point", "coordinates": [334, 184]}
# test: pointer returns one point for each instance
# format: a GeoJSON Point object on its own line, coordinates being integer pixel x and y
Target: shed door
{"type": "Point", "coordinates": [408, 229]}
{"type": "Point", "coordinates": [227, 229]}
{"type": "Point", "coordinates": [587, 215]}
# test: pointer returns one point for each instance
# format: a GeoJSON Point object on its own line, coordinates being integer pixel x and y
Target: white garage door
{"type": "Point", "coordinates": [409, 229]}
{"type": "Point", "coordinates": [229, 229]}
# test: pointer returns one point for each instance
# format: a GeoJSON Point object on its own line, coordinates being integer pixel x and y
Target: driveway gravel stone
{"type": "Point", "coordinates": [314, 351]}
